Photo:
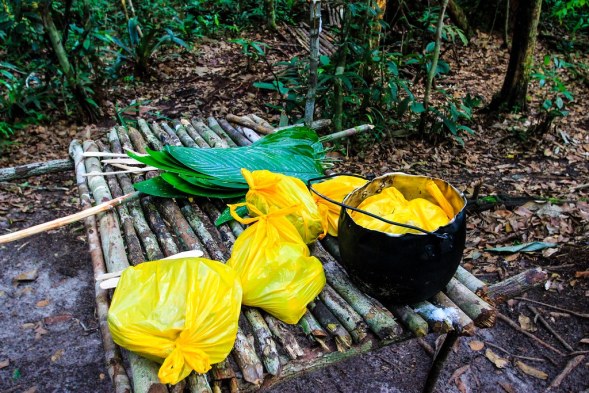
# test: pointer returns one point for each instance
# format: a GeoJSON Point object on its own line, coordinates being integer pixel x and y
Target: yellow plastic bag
{"type": "Point", "coordinates": [391, 205]}
{"type": "Point", "coordinates": [276, 270]}
{"type": "Point", "coordinates": [337, 189]}
{"type": "Point", "coordinates": [270, 191]}
{"type": "Point", "coordinates": [183, 312]}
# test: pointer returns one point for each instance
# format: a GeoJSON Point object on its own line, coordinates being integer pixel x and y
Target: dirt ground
{"type": "Point", "coordinates": [48, 329]}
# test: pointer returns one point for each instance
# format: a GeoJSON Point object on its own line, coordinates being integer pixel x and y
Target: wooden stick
{"type": "Point", "coordinates": [244, 121]}
{"type": "Point", "coordinates": [183, 135]}
{"type": "Point", "coordinates": [343, 340]}
{"type": "Point", "coordinates": [512, 355]}
{"type": "Point", "coordinates": [266, 345]}
{"type": "Point", "coordinates": [257, 119]}
{"type": "Point", "coordinates": [198, 383]}
{"type": "Point", "coordinates": [471, 282]}
{"type": "Point", "coordinates": [571, 365]}
{"type": "Point", "coordinates": [35, 169]}
{"type": "Point", "coordinates": [133, 245]}
{"type": "Point", "coordinates": [146, 236]}
{"type": "Point", "coordinates": [480, 311]}
{"type": "Point", "coordinates": [60, 222]}
{"type": "Point", "coordinates": [516, 285]}
{"type": "Point", "coordinates": [200, 142]}
{"type": "Point", "coordinates": [461, 322]}
{"type": "Point", "coordinates": [207, 134]}
{"type": "Point", "coordinates": [237, 136]}
{"type": "Point", "coordinates": [412, 320]}
{"type": "Point", "coordinates": [348, 317]}
{"type": "Point", "coordinates": [346, 133]}
{"type": "Point", "coordinates": [150, 137]}
{"type": "Point", "coordinates": [439, 323]}
{"type": "Point", "coordinates": [577, 314]}
{"type": "Point", "coordinates": [316, 125]}
{"type": "Point", "coordinates": [379, 319]}
{"type": "Point", "coordinates": [280, 330]}
{"type": "Point", "coordinates": [114, 362]}
{"type": "Point", "coordinates": [165, 133]}
{"type": "Point", "coordinates": [539, 317]}
{"type": "Point", "coordinates": [514, 325]}
{"type": "Point", "coordinates": [214, 125]}
{"type": "Point", "coordinates": [314, 331]}
{"type": "Point", "coordinates": [247, 359]}
{"type": "Point", "coordinates": [249, 133]}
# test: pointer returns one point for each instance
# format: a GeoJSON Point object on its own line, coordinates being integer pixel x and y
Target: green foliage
{"type": "Point", "coordinates": [139, 47]}
{"type": "Point", "coordinates": [554, 92]}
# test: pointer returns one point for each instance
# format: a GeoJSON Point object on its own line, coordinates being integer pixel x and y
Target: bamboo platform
{"type": "Point", "coordinates": [341, 323]}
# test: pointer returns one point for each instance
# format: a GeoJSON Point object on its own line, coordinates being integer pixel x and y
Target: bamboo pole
{"type": "Point", "coordinates": [412, 320]}
{"type": "Point", "coordinates": [314, 331]}
{"type": "Point", "coordinates": [144, 372]}
{"type": "Point", "coordinates": [114, 362]}
{"type": "Point", "coordinates": [379, 319]}
{"type": "Point", "coordinates": [35, 169]}
{"type": "Point", "coordinates": [133, 245]}
{"type": "Point", "coordinates": [348, 317]}
{"type": "Point", "coordinates": [481, 312]}
{"type": "Point", "coordinates": [249, 123]}
{"type": "Point", "coordinates": [316, 125]}
{"type": "Point", "coordinates": [214, 125]}
{"type": "Point", "coordinates": [462, 323]}
{"type": "Point", "coordinates": [58, 223]}
{"type": "Point", "coordinates": [237, 136]}
{"type": "Point", "coordinates": [207, 134]}
{"type": "Point", "coordinates": [516, 285]}
{"type": "Point", "coordinates": [146, 236]}
{"type": "Point", "coordinates": [343, 340]}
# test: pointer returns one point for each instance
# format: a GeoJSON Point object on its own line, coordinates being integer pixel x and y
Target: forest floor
{"type": "Point", "coordinates": [48, 329]}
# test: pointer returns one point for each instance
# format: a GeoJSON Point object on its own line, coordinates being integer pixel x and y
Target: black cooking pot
{"type": "Point", "coordinates": [408, 268]}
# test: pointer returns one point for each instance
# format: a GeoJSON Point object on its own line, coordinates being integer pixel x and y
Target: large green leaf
{"type": "Point", "coordinates": [185, 187]}
{"type": "Point", "coordinates": [160, 188]}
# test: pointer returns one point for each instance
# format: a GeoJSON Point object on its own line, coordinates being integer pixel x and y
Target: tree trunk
{"type": "Point", "coordinates": [271, 14]}
{"type": "Point", "coordinates": [315, 30]}
{"type": "Point", "coordinates": [57, 45]}
{"type": "Point", "coordinates": [515, 85]}
{"type": "Point", "coordinates": [459, 18]}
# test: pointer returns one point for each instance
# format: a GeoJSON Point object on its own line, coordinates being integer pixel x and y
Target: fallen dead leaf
{"type": "Point", "coordinates": [534, 372]}
{"type": "Point", "coordinates": [584, 274]}
{"type": "Point", "coordinates": [43, 303]}
{"type": "Point", "coordinates": [27, 276]}
{"type": "Point", "coordinates": [507, 387]}
{"type": "Point", "coordinates": [497, 360]}
{"type": "Point", "coordinates": [459, 371]}
{"type": "Point", "coordinates": [40, 331]}
{"type": "Point", "coordinates": [32, 389]}
{"type": "Point", "coordinates": [584, 341]}
{"type": "Point", "coordinates": [57, 355]}
{"type": "Point", "coordinates": [4, 363]}
{"type": "Point", "coordinates": [27, 326]}
{"type": "Point", "coordinates": [53, 319]}
{"type": "Point", "coordinates": [526, 323]}
{"type": "Point", "coordinates": [476, 345]}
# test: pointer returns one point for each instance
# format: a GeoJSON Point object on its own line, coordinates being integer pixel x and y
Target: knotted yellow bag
{"type": "Point", "coordinates": [183, 312]}
{"type": "Point", "coordinates": [270, 191]}
{"type": "Point", "coordinates": [275, 267]}
{"type": "Point", "coordinates": [337, 189]}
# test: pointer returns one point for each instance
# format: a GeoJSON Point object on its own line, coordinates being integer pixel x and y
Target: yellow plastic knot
{"type": "Point", "coordinates": [182, 360]}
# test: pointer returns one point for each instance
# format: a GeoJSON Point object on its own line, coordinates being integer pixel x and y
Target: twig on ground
{"type": "Point", "coordinates": [512, 355]}
{"type": "Point", "coordinates": [577, 314]}
{"type": "Point", "coordinates": [545, 323]}
{"type": "Point", "coordinates": [574, 362]}
{"type": "Point", "coordinates": [533, 337]}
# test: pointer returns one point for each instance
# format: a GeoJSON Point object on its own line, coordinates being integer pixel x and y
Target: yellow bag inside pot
{"type": "Point", "coordinates": [271, 191]}
{"type": "Point", "coordinates": [275, 267]}
{"type": "Point", "coordinates": [337, 189]}
{"type": "Point", "coordinates": [183, 312]}
{"type": "Point", "coordinates": [391, 205]}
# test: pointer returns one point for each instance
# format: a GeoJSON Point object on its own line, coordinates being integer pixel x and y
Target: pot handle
{"type": "Point", "coordinates": [444, 237]}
